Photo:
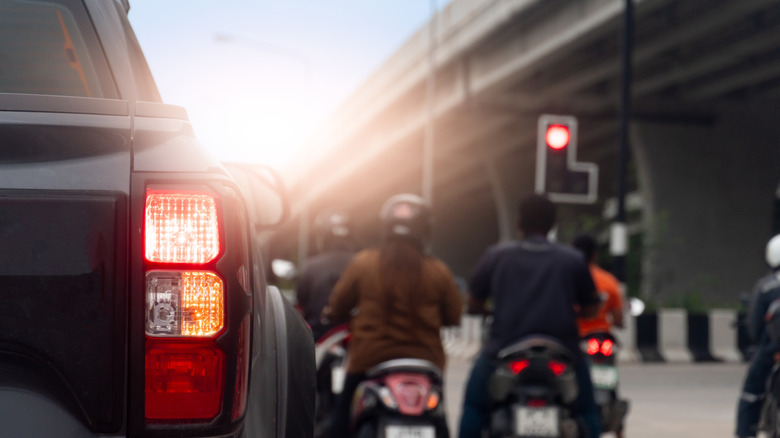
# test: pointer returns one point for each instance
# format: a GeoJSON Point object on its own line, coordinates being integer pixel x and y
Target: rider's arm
{"type": "Point", "coordinates": [303, 290]}
{"type": "Point", "coordinates": [587, 299]}
{"type": "Point", "coordinates": [451, 301]}
{"type": "Point", "coordinates": [480, 285]}
{"type": "Point", "coordinates": [615, 303]}
{"type": "Point", "coordinates": [758, 308]}
{"type": "Point", "coordinates": [344, 297]}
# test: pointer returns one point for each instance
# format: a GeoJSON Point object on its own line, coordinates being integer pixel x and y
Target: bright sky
{"type": "Point", "coordinates": [281, 68]}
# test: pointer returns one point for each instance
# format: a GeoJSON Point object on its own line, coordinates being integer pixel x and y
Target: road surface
{"type": "Point", "coordinates": [667, 400]}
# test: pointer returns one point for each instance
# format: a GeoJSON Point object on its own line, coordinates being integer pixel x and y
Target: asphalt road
{"type": "Point", "coordinates": [667, 400]}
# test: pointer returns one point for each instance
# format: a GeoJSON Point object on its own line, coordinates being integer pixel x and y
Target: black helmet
{"type": "Point", "coordinates": [407, 216]}
{"type": "Point", "coordinates": [332, 227]}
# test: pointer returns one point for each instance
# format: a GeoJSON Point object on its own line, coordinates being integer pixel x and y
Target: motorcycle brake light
{"type": "Point", "coordinates": [593, 347]}
{"type": "Point", "coordinates": [556, 367]}
{"type": "Point", "coordinates": [181, 227]}
{"type": "Point", "coordinates": [519, 365]}
{"type": "Point", "coordinates": [536, 403]}
{"type": "Point", "coordinates": [410, 394]}
{"type": "Point", "coordinates": [606, 348]}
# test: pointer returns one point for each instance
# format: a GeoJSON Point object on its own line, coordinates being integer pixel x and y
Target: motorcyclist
{"type": "Point", "coordinates": [610, 313]}
{"type": "Point", "coordinates": [397, 297]}
{"type": "Point", "coordinates": [766, 291]}
{"type": "Point", "coordinates": [333, 234]}
{"type": "Point", "coordinates": [538, 288]}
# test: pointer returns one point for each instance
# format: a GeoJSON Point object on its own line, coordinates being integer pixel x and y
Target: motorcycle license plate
{"type": "Point", "coordinates": [337, 376]}
{"type": "Point", "coordinates": [396, 431]}
{"type": "Point", "coordinates": [604, 376]}
{"type": "Point", "coordinates": [536, 421]}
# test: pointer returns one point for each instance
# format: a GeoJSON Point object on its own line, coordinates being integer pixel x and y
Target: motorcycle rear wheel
{"type": "Point", "coordinates": [367, 429]}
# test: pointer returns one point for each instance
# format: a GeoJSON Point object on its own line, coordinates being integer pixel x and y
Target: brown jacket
{"type": "Point", "coordinates": [405, 325]}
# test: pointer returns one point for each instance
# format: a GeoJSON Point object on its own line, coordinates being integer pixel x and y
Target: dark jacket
{"type": "Point", "coordinates": [766, 291]}
{"type": "Point", "coordinates": [320, 274]}
{"type": "Point", "coordinates": [405, 324]}
{"type": "Point", "coordinates": [535, 285]}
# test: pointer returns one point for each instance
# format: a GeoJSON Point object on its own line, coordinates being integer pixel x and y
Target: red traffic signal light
{"type": "Point", "coordinates": [558, 173]}
{"type": "Point", "coordinates": [557, 136]}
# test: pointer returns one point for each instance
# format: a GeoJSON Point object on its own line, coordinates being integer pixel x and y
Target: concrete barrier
{"type": "Point", "coordinates": [673, 335]}
{"type": "Point", "coordinates": [626, 337]}
{"type": "Point", "coordinates": [647, 337]}
{"type": "Point", "coordinates": [473, 336]}
{"type": "Point", "coordinates": [699, 337]}
{"type": "Point", "coordinates": [723, 335]}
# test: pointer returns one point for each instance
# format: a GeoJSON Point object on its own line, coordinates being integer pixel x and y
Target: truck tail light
{"type": "Point", "coordinates": [183, 380]}
{"type": "Point", "coordinates": [184, 303]}
{"type": "Point", "coordinates": [181, 227]}
{"type": "Point", "coordinates": [197, 307]}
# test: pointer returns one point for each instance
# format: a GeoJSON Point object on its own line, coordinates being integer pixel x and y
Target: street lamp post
{"type": "Point", "coordinates": [619, 232]}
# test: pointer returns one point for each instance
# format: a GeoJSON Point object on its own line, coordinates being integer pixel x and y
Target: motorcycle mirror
{"type": "Point", "coordinates": [636, 306]}
{"type": "Point", "coordinates": [284, 269]}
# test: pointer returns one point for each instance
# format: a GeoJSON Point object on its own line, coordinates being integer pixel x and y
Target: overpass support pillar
{"type": "Point", "coordinates": [708, 192]}
{"type": "Point", "coordinates": [504, 204]}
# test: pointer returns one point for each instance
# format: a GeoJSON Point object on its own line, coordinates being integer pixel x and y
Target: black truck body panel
{"type": "Point", "coordinates": [73, 173]}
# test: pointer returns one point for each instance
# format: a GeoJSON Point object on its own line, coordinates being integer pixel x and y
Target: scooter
{"type": "Point", "coordinates": [601, 352]}
{"type": "Point", "coordinates": [330, 354]}
{"type": "Point", "coordinates": [400, 398]}
{"type": "Point", "coordinates": [770, 410]}
{"type": "Point", "coordinates": [533, 390]}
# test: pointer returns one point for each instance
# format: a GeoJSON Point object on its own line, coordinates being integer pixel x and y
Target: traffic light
{"type": "Point", "coordinates": [558, 174]}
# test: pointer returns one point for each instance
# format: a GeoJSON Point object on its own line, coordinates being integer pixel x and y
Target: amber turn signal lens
{"type": "Point", "coordinates": [184, 303]}
{"type": "Point", "coordinates": [433, 401]}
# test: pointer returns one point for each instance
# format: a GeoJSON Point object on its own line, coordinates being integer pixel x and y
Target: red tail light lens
{"type": "Point", "coordinates": [519, 365]}
{"type": "Point", "coordinates": [557, 367]}
{"type": "Point", "coordinates": [181, 227]}
{"type": "Point", "coordinates": [184, 381]}
{"type": "Point", "coordinates": [593, 346]}
{"type": "Point", "coordinates": [536, 403]}
{"type": "Point", "coordinates": [606, 347]}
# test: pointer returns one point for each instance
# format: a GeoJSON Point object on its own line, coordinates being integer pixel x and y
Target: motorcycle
{"type": "Point", "coordinates": [770, 410]}
{"type": "Point", "coordinates": [533, 390]}
{"type": "Point", "coordinates": [601, 353]}
{"type": "Point", "coordinates": [330, 355]}
{"type": "Point", "coordinates": [400, 398]}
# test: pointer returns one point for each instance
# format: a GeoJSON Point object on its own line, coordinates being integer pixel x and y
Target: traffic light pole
{"type": "Point", "coordinates": [619, 231]}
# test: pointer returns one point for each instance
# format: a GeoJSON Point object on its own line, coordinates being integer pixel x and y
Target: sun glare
{"type": "Point", "coordinates": [261, 114]}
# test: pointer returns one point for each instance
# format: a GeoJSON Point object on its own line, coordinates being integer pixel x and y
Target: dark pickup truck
{"type": "Point", "coordinates": [133, 300]}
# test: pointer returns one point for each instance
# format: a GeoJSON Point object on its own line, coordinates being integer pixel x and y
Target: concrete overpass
{"type": "Point", "coordinates": [705, 160]}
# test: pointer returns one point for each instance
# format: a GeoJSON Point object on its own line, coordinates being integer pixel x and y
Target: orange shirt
{"type": "Point", "coordinates": [611, 298]}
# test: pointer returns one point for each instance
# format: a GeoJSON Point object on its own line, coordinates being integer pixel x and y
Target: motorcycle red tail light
{"type": "Point", "coordinates": [183, 381]}
{"type": "Point", "coordinates": [410, 394]}
{"type": "Point", "coordinates": [557, 367]}
{"type": "Point", "coordinates": [536, 403]}
{"type": "Point", "coordinates": [593, 346]}
{"type": "Point", "coordinates": [606, 347]}
{"type": "Point", "coordinates": [518, 365]}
